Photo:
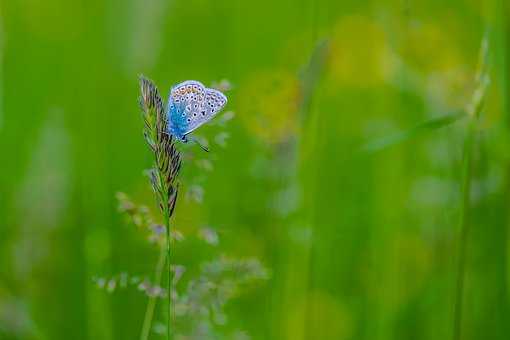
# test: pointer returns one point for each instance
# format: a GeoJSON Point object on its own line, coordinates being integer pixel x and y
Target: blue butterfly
{"type": "Point", "coordinates": [190, 105]}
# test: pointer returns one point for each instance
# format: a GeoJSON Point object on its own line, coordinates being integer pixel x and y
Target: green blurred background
{"type": "Point", "coordinates": [340, 174]}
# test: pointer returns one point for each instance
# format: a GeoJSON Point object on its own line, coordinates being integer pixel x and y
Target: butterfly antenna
{"type": "Point", "coordinates": [203, 147]}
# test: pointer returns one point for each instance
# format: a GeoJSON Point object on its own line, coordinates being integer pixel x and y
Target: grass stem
{"type": "Point", "coordinates": [464, 227]}
{"type": "Point", "coordinates": [166, 166]}
{"type": "Point", "coordinates": [169, 269]}
{"type": "Point", "coordinates": [474, 112]}
{"type": "Point", "coordinates": [151, 304]}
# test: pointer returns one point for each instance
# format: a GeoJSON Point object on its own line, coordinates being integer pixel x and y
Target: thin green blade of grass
{"type": "Point", "coordinates": [311, 74]}
{"type": "Point", "coordinates": [296, 282]}
{"type": "Point", "coordinates": [403, 136]}
{"type": "Point", "coordinates": [475, 109]}
{"type": "Point", "coordinates": [151, 304]}
{"type": "Point", "coordinates": [464, 227]}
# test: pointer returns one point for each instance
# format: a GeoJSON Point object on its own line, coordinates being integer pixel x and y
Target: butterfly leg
{"type": "Point", "coordinates": [195, 140]}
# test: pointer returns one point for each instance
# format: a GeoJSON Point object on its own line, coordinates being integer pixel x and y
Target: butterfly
{"type": "Point", "coordinates": [191, 105]}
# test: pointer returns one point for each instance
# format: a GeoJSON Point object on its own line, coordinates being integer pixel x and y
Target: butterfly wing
{"type": "Point", "coordinates": [185, 100]}
{"type": "Point", "coordinates": [190, 90]}
{"type": "Point", "coordinates": [191, 105]}
{"type": "Point", "coordinates": [213, 103]}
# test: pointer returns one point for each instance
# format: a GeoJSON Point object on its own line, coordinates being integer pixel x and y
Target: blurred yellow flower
{"type": "Point", "coordinates": [319, 316]}
{"type": "Point", "coordinates": [430, 47]}
{"type": "Point", "coordinates": [360, 55]}
{"type": "Point", "coordinates": [268, 105]}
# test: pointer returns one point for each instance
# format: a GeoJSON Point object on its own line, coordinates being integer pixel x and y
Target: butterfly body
{"type": "Point", "coordinates": [190, 105]}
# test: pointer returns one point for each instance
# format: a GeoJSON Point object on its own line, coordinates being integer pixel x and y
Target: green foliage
{"type": "Point", "coordinates": [366, 166]}
{"type": "Point", "coordinates": [200, 307]}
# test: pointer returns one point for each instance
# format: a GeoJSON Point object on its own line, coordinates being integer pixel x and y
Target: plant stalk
{"type": "Point", "coordinates": [149, 311]}
{"type": "Point", "coordinates": [464, 227]}
{"type": "Point", "coordinates": [169, 268]}
{"type": "Point", "coordinates": [166, 219]}
{"type": "Point", "coordinates": [165, 171]}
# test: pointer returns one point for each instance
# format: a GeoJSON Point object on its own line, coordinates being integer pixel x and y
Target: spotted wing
{"type": "Point", "coordinates": [188, 92]}
{"type": "Point", "coordinates": [185, 101]}
{"type": "Point", "coordinates": [213, 103]}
